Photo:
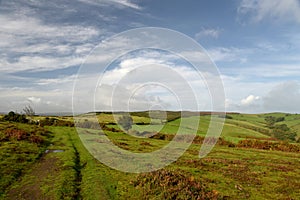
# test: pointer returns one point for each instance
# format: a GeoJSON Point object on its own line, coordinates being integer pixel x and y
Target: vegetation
{"type": "Point", "coordinates": [271, 120]}
{"type": "Point", "coordinates": [21, 145]}
{"type": "Point", "coordinates": [126, 122]}
{"type": "Point", "coordinates": [283, 132]}
{"type": "Point", "coordinates": [280, 131]}
{"type": "Point", "coordinates": [55, 122]}
{"type": "Point", "coordinates": [250, 161]}
{"type": "Point", "coordinates": [15, 117]}
{"type": "Point", "coordinates": [171, 184]}
{"type": "Point", "coordinates": [29, 111]}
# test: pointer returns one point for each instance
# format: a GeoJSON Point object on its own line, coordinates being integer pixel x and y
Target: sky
{"type": "Point", "coordinates": [254, 44]}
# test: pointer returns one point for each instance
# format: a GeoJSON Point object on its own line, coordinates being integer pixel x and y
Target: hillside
{"type": "Point", "coordinates": [50, 162]}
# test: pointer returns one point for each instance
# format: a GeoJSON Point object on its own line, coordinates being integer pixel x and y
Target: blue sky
{"type": "Point", "coordinates": [255, 45]}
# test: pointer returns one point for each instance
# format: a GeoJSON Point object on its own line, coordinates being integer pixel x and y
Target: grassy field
{"type": "Point", "coordinates": [58, 166]}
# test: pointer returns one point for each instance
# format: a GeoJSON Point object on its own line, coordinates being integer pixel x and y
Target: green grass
{"type": "Point", "coordinates": [227, 172]}
{"type": "Point", "coordinates": [16, 156]}
{"type": "Point", "coordinates": [227, 168]}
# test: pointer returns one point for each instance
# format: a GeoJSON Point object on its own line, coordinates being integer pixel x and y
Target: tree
{"type": "Point", "coordinates": [270, 121]}
{"type": "Point", "coordinates": [126, 122]}
{"type": "Point", "coordinates": [283, 132]}
{"type": "Point", "coordinates": [29, 111]}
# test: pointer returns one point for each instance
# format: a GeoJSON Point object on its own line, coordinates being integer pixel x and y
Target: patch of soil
{"type": "Point", "coordinates": [43, 173]}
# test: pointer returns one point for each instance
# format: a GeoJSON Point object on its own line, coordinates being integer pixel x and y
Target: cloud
{"type": "Point", "coordinates": [229, 54]}
{"type": "Point", "coordinates": [213, 33]}
{"type": "Point", "coordinates": [117, 3]}
{"type": "Point", "coordinates": [50, 100]}
{"type": "Point", "coordinates": [30, 28]}
{"type": "Point", "coordinates": [251, 99]}
{"type": "Point", "coordinates": [38, 63]}
{"type": "Point", "coordinates": [283, 97]}
{"type": "Point", "coordinates": [41, 41]}
{"type": "Point", "coordinates": [268, 70]}
{"type": "Point", "coordinates": [146, 79]}
{"type": "Point", "coordinates": [128, 4]}
{"type": "Point", "coordinates": [34, 99]}
{"type": "Point", "coordinates": [274, 10]}
{"type": "Point", "coordinates": [28, 44]}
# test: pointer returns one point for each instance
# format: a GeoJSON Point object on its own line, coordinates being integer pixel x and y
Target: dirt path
{"type": "Point", "coordinates": [39, 181]}
{"type": "Point", "coordinates": [66, 171]}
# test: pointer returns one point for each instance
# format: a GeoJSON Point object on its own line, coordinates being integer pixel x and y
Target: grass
{"type": "Point", "coordinates": [18, 154]}
{"type": "Point", "coordinates": [226, 173]}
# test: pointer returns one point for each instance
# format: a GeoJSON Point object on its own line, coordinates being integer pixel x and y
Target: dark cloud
{"type": "Point", "coordinates": [284, 97]}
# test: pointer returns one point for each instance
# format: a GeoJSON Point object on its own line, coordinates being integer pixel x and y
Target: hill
{"type": "Point", "coordinates": [248, 162]}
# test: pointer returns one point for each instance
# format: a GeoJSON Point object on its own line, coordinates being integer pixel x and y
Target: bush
{"type": "Point", "coordinates": [267, 145]}
{"type": "Point", "coordinates": [15, 117]}
{"type": "Point", "coordinates": [55, 122]}
{"type": "Point", "coordinates": [14, 133]}
{"type": "Point", "coordinates": [126, 122]}
{"type": "Point", "coordinates": [167, 184]}
{"type": "Point", "coordinates": [283, 132]}
{"type": "Point", "coordinates": [96, 125]}
{"type": "Point", "coordinates": [225, 116]}
{"type": "Point", "coordinates": [271, 120]}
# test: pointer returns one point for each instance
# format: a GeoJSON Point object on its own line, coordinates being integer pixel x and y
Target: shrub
{"type": "Point", "coordinates": [271, 120]}
{"type": "Point", "coordinates": [126, 122]}
{"type": "Point", "coordinates": [225, 116]}
{"type": "Point", "coordinates": [268, 145]}
{"type": "Point", "coordinates": [36, 135]}
{"type": "Point", "coordinates": [15, 117]}
{"type": "Point", "coordinates": [55, 122]}
{"type": "Point", "coordinates": [283, 132]}
{"type": "Point", "coordinates": [96, 125]}
{"type": "Point", "coordinates": [167, 184]}
{"type": "Point", "coordinates": [17, 134]}
{"type": "Point", "coordinates": [36, 139]}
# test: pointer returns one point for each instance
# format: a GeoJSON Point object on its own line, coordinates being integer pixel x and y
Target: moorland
{"type": "Point", "coordinates": [256, 157]}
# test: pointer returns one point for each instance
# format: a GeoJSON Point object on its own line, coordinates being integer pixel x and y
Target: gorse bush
{"type": "Point", "coordinates": [167, 184]}
{"type": "Point", "coordinates": [15, 134]}
{"type": "Point", "coordinates": [55, 122]}
{"type": "Point", "coordinates": [15, 117]}
{"type": "Point", "coordinates": [96, 125]}
{"type": "Point", "coordinates": [268, 145]}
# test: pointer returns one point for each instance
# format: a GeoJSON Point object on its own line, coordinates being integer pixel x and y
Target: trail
{"type": "Point", "coordinates": [37, 182]}
{"type": "Point", "coordinates": [70, 173]}
{"type": "Point", "coordinates": [77, 168]}
{"type": "Point", "coordinates": [48, 178]}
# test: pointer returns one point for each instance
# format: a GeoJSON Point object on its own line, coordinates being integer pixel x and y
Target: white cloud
{"type": "Point", "coordinates": [38, 63]}
{"type": "Point", "coordinates": [41, 100]}
{"type": "Point", "coordinates": [128, 3]}
{"type": "Point", "coordinates": [250, 100]}
{"type": "Point", "coordinates": [265, 70]}
{"type": "Point", "coordinates": [30, 28]}
{"type": "Point", "coordinates": [274, 10]}
{"type": "Point", "coordinates": [229, 54]}
{"type": "Point", "coordinates": [56, 81]}
{"type": "Point", "coordinates": [214, 33]}
{"type": "Point", "coordinates": [179, 79]}
{"type": "Point", "coordinates": [116, 3]}
{"type": "Point", "coordinates": [34, 99]}
{"type": "Point", "coordinates": [29, 44]}
{"type": "Point", "coordinates": [273, 97]}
